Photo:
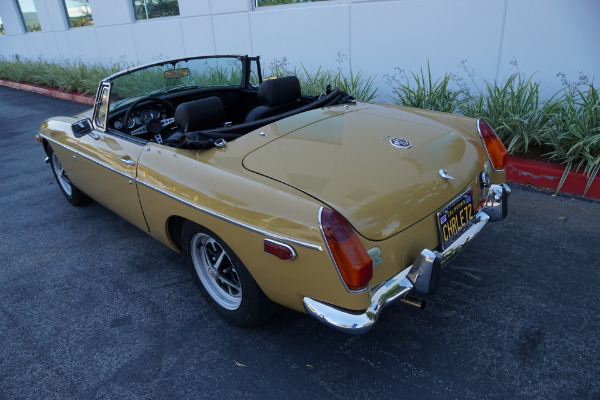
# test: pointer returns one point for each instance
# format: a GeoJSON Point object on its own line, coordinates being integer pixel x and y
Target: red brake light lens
{"type": "Point", "coordinates": [279, 250]}
{"type": "Point", "coordinates": [496, 150]}
{"type": "Point", "coordinates": [351, 258]}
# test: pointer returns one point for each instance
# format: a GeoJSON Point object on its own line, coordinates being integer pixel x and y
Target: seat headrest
{"type": "Point", "coordinates": [273, 92]}
{"type": "Point", "coordinates": [200, 114]}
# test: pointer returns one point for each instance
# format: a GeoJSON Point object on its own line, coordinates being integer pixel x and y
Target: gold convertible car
{"type": "Point", "coordinates": [322, 204]}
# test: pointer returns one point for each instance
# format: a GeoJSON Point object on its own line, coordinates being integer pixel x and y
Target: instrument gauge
{"type": "Point", "coordinates": [146, 115]}
{"type": "Point", "coordinates": [131, 122]}
{"type": "Point", "coordinates": [118, 124]}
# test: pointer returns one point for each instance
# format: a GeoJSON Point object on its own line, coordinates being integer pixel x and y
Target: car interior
{"type": "Point", "coordinates": [202, 118]}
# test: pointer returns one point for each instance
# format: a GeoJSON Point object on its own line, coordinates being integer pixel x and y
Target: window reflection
{"type": "Point", "coordinates": [30, 17]}
{"type": "Point", "coordinates": [79, 13]}
{"type": "Point", "coordinates": [145, 9]}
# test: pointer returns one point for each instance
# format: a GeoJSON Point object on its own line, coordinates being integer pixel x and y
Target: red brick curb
{"type": "Point", "coordinates": [518, 170]}
{"type": "Point", "coordinates": [77, 97]}
{"type": "Point", "coordinates": [547, 175]}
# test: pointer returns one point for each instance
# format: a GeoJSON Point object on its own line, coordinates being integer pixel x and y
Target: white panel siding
{"type": "Point", "coordinates": [192, 8]}
{"type": "Point", "coordinates": [198, 36]}
{"type": "Point", "coordinates": [232, 33]}
{"type": "Point", "coordinates": [117, 44]}
{"type": "Point", "coordinates": [312, 36]}
{"type": "Point", "coordinates": [158, 39]}
{"type": "Point", "coordinates": [547, 37]}
{"type": "Point", "coordinates": [544, 36]}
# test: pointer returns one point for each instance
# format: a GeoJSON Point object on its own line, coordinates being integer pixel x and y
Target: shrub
{"type": "Point", "coordinates": [424, 92]}
{"type": "Point", "coordinates": [574, 135]}
{"type": "Point", "coordinates": [515, 110]}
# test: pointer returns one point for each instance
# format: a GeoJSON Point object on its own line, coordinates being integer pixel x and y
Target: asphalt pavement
{"type": "Point", "coordinates": [92, 307]}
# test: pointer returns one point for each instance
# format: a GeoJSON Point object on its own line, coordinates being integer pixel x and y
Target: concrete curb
{"type": "Point", "coordinates": [519, 170]}
{"type": "Point", "coordinates": [547, 175]}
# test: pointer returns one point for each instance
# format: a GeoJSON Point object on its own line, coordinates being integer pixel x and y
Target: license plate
{"type": "Point", "coordinates": [455, 218]}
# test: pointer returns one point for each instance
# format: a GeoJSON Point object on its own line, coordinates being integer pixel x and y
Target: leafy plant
{"type": "Point", "coordinates": [316, 82]}
{"type": "Point", "coordinates": [575, 133]}
{"type": "Point", "coordinates": [515, 110]}
{"type": "Point", "coordinates": [421, 91]}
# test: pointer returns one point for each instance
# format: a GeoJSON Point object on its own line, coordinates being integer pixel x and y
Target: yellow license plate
{"type": "Point", "coordinates": [456, 218]}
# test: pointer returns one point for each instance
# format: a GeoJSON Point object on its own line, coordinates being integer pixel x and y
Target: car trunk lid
{"type": "Point", "coordinates": [348, 162]}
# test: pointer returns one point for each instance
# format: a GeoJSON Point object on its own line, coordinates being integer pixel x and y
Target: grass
{"type": "Point", "coordinates": [567, 124]}
{"type": "Point", "coordinates": [77, 77]}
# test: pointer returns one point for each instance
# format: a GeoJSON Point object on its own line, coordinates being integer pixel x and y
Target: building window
{"type": "Point", "coordinates": [261, 3]}
{"type": "Point", "coordinates": [145, 9]}
{"type": "Point", "coordinates": [30, 17]}
{"type": "Point", "coordinates": [78, 13]}
{"type": "Point", "coordinates": [2, 32]}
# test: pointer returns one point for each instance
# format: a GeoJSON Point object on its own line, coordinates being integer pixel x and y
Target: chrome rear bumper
{"type": "Point", "coordinates": [420, 276]}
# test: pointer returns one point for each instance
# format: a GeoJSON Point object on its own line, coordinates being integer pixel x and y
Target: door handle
{"type": "Point", "coordinates": [128, 162]}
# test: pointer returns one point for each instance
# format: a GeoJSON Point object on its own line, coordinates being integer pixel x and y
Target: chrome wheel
{"type": "Point", "coordinates": [61, 176]}
{"type": "Point", "coordinates": [216, 271]}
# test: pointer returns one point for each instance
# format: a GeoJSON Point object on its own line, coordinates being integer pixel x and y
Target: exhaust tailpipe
{"type": "Point", "coordinates": [413, 301]}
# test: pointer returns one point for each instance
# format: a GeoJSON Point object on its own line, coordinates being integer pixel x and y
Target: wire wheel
{"type": "Point", "coordinates": [61, 176]}
{"type": "Point", "coordinates": [216, 271]}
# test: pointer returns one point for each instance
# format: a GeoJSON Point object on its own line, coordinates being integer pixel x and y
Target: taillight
{"type": "Point", "coordinates": [351, 258]}
{"type": "Point", "coordinates": [496, 150]}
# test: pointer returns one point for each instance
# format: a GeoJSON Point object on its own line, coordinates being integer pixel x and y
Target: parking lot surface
{"type": "Point", "coordinates": [92, 307]}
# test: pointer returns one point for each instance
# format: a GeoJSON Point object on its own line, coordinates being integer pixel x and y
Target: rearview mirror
{"type": "Point", "coordinates": [82, 127]}
{"type": "Point", "coordinates": [177, 73]}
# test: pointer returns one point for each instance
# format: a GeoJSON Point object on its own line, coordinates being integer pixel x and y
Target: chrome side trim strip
{"type": "Point", "coordinates": [196, 206]}
{"type": "Point", "coordinates": [231, 220]}
{"type": "Point", "coordinates": [90, 159]}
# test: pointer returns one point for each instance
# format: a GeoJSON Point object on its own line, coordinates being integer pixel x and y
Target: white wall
{"type": "Point", "coordinates": [545, 37]}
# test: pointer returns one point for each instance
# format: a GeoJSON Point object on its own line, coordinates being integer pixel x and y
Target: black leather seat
{"type": "Point", "coordinates": [276, 96]}
{"type": "Point", "coordinates": [200, 114]}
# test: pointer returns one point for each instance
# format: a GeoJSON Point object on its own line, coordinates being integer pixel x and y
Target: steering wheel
{"type": "Point", "coordinates": [154, 125]}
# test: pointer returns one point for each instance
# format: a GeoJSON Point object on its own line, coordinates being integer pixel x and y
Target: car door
{"type": "Point", "coordinates": [106, 167]}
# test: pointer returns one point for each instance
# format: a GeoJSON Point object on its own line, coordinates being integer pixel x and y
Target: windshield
{"type": "Point", "coordinates": [158, 79]}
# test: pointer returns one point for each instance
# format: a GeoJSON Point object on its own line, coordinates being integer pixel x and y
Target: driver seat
{"type": "Point", "coordinates": [200, 114]}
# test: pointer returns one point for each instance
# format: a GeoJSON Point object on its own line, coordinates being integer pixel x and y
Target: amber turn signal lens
{"type": "Point", "coordinates": [496, 150]}
{"type": "Point", "coordinates": [351, 258]}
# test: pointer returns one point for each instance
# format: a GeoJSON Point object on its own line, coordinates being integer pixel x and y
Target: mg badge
{"type": "Point", "coordinates": [400, 143]}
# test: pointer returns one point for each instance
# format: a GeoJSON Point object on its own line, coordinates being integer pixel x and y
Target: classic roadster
{"type": "Point", "coordinates": [319, 203]}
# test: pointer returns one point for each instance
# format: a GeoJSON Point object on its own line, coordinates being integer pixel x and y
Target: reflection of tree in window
{"type": "Point", "coordinates": [30, 18]}
{"type": "Point", "coordinates": [79, 13]}
{"type": "Point", "coordinates": [145, 9]}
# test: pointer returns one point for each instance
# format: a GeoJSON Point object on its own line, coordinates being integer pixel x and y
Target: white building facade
{"type": "Point", "coordinates": [481, 37]}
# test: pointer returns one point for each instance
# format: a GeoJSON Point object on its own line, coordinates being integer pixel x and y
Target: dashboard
{"type": "Point", "coordinates": [138, 118]}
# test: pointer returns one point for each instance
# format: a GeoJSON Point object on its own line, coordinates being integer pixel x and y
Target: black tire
{"type": "Point", "coordinates": [72, 194]}
{"type": "Point", "coordinates": [223, 279]}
